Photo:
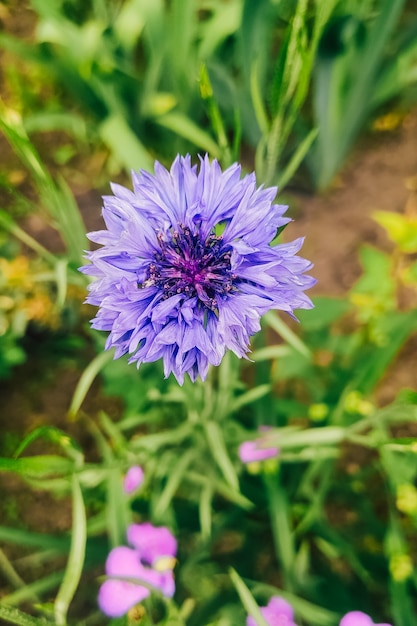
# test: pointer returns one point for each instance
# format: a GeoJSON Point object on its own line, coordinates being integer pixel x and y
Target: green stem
{"type": "Point", "coordinates": [281, 529]}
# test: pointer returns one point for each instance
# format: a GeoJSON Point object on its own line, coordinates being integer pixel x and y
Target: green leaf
{"type": "Point", "coordinates": [270, 352]}
{"type": "Point", "coordinates": [401, 229]}
{"type": "Point", "coordinates": [117, 508]}
{"type": "Point", "coordinates": [326, 311]}
{"type": "Point", "coordinates": [125, 145]}
{"type": "Point", "coordinates": [222, 488]}
{"type": "Point", "coordinates": [409, 274]}
{"type": "Point", "coordinates": [218, 449]}
{"type": "Point", "coordinates": [296, 159]}
{"type": "Point", "coordinates": [249, 397]}
{"type": "Point", "coordinates": [54, 435]}
{"type": "Point", "coordinates": [374, 292]}
{"type": "Point", "coordinates": [19, 618]}
{"type": "Point", "coordinates": [32, 539]}
{"type": "Point", "coordinates": [37, 466]}
{"type": "Point", "coordinates": [76, 557]}
{"type": "Point", "coordinates": [129, 23]}
{"type": "Point", "coordinates": [205, 510]}
{"type": "Point", "coordinates": [43, 585]}
{"type": "Point", "coordinates": [46, 121]}
{"type": "Point", "coordinates": [155, 441]}
{"type": "Point", "coordinates": [395, 327]}
{"type": "Point", "coordinates": [257, 101]}
{"type": "Point", "coordinates": [321, 436]}
{"type": "Point", "coordinates": [55, 196]}
{"type": "Point", "coordinates": [283, 534]}
{"type": "Point", "coordinates": [186, 128]}
{"type": "Point", "coordinates": [399, 72]}
{"type": "Point", "coordinates": [86, 380]}
{"type": "Point", "coordinates": [223, 22]}
{"type": "Point", "coordinates": [174, 617]}
{"type": "Point", "coordinates": [275, 322]}
{"type": "Point", "coordinates": [247, 598]}
{"type": "Point", "coordinates": [173, 482]}
{"type": "Point", "coordinates": [344, 88]}
{"type": "Point", "coordinates": [11, 227]}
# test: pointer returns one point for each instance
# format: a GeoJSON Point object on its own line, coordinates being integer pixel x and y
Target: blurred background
{"type": "Point", "coordinates": [318, 98]}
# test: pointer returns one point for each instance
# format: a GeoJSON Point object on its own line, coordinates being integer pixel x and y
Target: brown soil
{"type": "Point", "coordinates": [337, 223]}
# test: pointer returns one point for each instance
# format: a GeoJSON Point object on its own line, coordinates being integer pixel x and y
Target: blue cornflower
{"type": "Point", "coordinates": [186, 269]}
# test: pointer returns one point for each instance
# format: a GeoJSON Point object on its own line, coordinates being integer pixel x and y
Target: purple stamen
{"type": "Point", "coordinates": [187, 264]}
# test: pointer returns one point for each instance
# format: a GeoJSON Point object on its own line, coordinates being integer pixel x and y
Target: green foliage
{"type": "Point", "coordinates": [133, 69]}
{"type": "Point", "coordinates": [360, 66]}
{"type": "Point", "coordinates": [329, 524]}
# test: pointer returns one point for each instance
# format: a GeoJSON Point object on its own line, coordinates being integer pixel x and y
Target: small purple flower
{"type": "Point", "coordinates": [257, 450]}
{"type": "Point", "coordinates": [278, 612]}
{"type": "Point", "coordinates": [186, 269]}
{"type": "Point", "coordinates": [133, 479]}
{"type": "Point", "coordinates": [144, 563]}
{"type": "Point", "coordinates": [357, 618]}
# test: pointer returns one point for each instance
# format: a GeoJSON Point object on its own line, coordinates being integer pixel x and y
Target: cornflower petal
{"type": "Point", "coordinates": [169, 286]}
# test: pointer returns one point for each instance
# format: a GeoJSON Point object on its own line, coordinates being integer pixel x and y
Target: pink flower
{"type": "Point", "coordinates": [278, 612]}
{"type": "Point", "coordinates": [146, 563]}
{"type": "Point", "coordinates": [154, 543]}
{"type": "Point", "coordinates": [357, 618]}
{"type": "Point", "coordinates": [257, 450]}
{"type": "Point", "coordinates": [133, 479]}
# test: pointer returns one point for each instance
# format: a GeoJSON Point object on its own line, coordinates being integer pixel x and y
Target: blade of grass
{"type": "Point", "coordinates": [10, 574]}
{"type": "Point", "coordinates": [205, 506]}
{"type": "Point", "coordinates": [76, 556]}
{"type": "Point", "coordinates": [117, 509]}
{"type": "Point", "coordinates": [276, 323]}
{"type": "Point", "coordinates": [249, 397]}
{"type": "Point", "coordinates": [31, 539]}
{"type": "Point", "coordinates": [184, 127]}
{"type": "Point", "coordinates": [218, 449]}
{"type": "Point", "coordinates": [281, 529]}
{"type": "Point", "coordinates": [247, 598]}
{"type": "Point", "coordinates": [86, 380]}
{"type": "Point", "coordinates": [8, 224]}
{"type": "Point", "coordinates": [125, 145]}
{"type": "Point", "coordinates": [173, 482]}
{"type": "Point", "coordinates": [55, 196]}
{"type": "Point", "coordinates": [297, 158]}
{"type": "Point", "coordinates": [19, 618]}
{"type": "Point", "coordinates": [45, 584]}
{"type": "Point", "coordinates": [37, 466]}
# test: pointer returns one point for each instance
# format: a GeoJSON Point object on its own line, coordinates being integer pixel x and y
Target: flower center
{"type": "Point", "coordinates": [186, 264]}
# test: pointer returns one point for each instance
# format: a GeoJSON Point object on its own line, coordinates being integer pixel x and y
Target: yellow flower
{"type": "Point", "coordinates": [318, 412]}
{"type": "Point", "coordinates": [354, 403]}
{"type": "Point", "coordinates": [401, 567]}
{"type": "Point", "coordinates": [407, 499]}
{"type": "Point", "coordinates": [16, 272]}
